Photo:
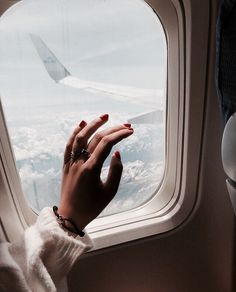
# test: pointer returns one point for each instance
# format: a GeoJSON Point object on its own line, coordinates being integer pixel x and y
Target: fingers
{"type": "Point", "coordinates": [70, 142]}
{"type": "Point", "coordinates": [99, 136]}
{"type": "Point", "coordinates": [82, 137]}
{"type": "Point", "coordinates": [113, 180]}
{"type": "Point", "coordinates": [105, 145]}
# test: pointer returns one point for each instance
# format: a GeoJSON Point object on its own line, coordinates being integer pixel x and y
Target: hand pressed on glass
{"type": "Point", "coordinates": [83, 194]}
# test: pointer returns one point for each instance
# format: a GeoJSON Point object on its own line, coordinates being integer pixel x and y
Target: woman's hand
{"type": "Point", "coordinates": [83, 194]}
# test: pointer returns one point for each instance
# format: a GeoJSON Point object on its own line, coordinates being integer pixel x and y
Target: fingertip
{"type": "Point", "coordinates": [82, 124]}
{"type": "Point", "coordinates": [116, 160]}
{"type": "Point", "coordinates": [117, 154]}
{"type": "Point", "coordinates": [129, 132]}
{"type": "Point", "coordinates": [104, 117]}
{"type": "Point", "coordinates": [127, 125]}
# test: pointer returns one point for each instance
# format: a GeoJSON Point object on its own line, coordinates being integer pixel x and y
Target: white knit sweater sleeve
{"type": "Point", "coordinates": [43, 258]}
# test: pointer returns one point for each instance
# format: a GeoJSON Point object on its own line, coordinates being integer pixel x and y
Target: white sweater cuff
{"type": "Point", "coordinates": [59, 251]}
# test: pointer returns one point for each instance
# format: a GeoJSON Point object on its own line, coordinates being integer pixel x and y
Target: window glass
{"type": "Point", "coordinates": [63, 61]}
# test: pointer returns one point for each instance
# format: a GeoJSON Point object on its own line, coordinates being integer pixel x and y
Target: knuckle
{"type": "Point", "coordinates": [85, 172]}
{"type": "Point", "coordinates": [93, 124]}
{"type": "Point", "coordinates": [98, 136]}
{"type": "Point", "coordinates": [92, 164]}
{"type": "Point", "coordinates": [68, 146]}
{"type": "Point", "coordinates": [88, 169]}
{"type": "Point", "coordinates": [79, 137]}
{"type": "Point", "coordinates": [97, 122]}
{"type": "Point", "coordinates": [76, 131]}
{"type": "Point", "coordinates": [106, 140]}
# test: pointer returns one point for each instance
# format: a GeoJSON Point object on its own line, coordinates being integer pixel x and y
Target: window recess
{"type": "Point", "coordinates": [147, 65]}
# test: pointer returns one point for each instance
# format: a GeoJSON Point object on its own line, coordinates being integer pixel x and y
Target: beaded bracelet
{"type": "Point", "coordinates": [62, 222]}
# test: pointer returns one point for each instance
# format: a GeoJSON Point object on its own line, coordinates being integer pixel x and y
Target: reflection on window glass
{"type": "Point", "coordinates": [63, 61]}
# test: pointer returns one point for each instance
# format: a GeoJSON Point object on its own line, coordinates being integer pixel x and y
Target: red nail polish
{"type": "Point", "coordinates": [117, 154]}
{"type": "Point", "coordinates": [104, 117]}
{"type": "Point", "coordinates": [131, 129]}
{"type": "Point", "coordinates": [127, 125]}
{"type": "Point", "coordinates": [82, 124]}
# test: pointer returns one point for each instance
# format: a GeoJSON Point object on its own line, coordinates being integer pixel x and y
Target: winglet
{"type": "Point", "coordinates": [53, 66]}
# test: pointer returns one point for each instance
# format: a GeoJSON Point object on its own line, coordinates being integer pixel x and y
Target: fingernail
{"type": "Point", "coordinates": [117, 154]}
{"type": "Point", "coordinates": [104, 117]}
{"type": "Point", "coordinates": [82, 124]}
{"type": "Point", "coordinates": [131, 129]}
{"type": "Point", "coordinates": [127, 125]}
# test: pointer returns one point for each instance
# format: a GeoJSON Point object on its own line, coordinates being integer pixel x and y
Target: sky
{"type": "Point", "coordinates": [108, 41]}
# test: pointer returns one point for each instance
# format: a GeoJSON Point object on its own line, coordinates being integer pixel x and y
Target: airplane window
{"type": "Point", "coordinates": [64, 61]}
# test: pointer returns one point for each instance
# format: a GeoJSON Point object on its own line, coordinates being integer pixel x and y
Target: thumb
{"type": "Point", "coordinates": [114, 175]}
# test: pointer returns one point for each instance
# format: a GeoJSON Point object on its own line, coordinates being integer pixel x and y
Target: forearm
{"type": "Point", "coordinates": [43, 258]}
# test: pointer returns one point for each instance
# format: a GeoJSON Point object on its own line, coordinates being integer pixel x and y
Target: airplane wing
{"type": "Point", "coordinates": [61, 75]}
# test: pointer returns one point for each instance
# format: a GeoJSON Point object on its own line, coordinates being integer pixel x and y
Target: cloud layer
{"type": "Point", "coordinates": [102, 41]}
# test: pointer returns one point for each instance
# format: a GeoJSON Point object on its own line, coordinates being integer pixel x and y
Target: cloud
{"type": "Point", "coordinates": [139, 182]}
{"type": "Point", "coordinates": [39, 151]}
{"type": "Point", "coordinates": [102, 40]}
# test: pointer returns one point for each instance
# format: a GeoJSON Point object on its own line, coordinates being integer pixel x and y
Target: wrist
{"type": "Point", "coordinates": [66, 223]}
{"type": "Point", "coordinates": [76, 218]}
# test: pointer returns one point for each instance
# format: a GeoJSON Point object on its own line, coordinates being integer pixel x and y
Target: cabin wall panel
{"type": "Point", "coordinates": [197, 256]}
